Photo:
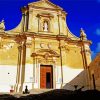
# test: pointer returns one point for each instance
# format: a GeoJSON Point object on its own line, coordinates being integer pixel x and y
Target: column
{"type": "Point", "coordinates": [26, 21]}
{"type": "Point", "coordinates": [23, 22]}
{"type": "Point", "coordinates": [33, 72]}
{"type": "Point", "coordinates": [85, 65]}
{"type": "Point", "coordinates": [38, 23]}
{"type": "Point", "coordinates": [60, 51]}
{"type": "Point", "coordinates": [36, 75]}
{"type": "Point", "coordinates": [18, 67]}
{"type": "Point", "coordinates": [23, 65]}
{"type": "Point", "coordinates": [54, 74]}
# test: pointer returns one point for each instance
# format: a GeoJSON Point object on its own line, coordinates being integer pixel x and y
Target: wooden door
{"type": "Point", "coordinates": [46, 76]}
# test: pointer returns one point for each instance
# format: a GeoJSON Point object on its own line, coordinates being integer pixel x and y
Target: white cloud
{"type": "Point", "coordinates": [98, 31]}
{"type": "Point", "coordinates": [98, 47]}
{"type": "Point", "coordinates": [96, 51]}
{"type": "Point", "coordinates": [98, 1]}
{"type": "Point", "coordinates": [93, 54]}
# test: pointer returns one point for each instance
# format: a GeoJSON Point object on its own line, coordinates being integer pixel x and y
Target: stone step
{"type": "Point", "coordinates": [38, 91]}
{"type": "Point", "coordinates": [32, 91]}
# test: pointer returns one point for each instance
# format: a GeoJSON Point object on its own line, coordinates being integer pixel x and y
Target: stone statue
{"type": "Point", "coordinates": [45, 26]}
{"type": "Point", "coordinates": [83, 35]}
{"type": "Point", "coordinates": [2, 25]}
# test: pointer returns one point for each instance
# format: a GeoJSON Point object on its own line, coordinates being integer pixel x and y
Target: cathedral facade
{"type": "Point", "coordinates": [41, 52]}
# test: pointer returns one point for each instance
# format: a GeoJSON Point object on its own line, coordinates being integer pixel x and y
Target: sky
{"type": "Point", "coordinates": [81, 14]}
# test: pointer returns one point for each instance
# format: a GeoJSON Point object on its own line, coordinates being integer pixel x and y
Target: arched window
{"type": "Point", "coordinates": [45, 25]}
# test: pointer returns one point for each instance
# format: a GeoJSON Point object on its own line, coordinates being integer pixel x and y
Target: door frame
{"type": "Point", "coordinates": [52, 67]}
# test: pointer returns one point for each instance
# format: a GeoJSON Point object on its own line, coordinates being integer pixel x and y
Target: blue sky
{"type": "Point", "coordinates": [81, 14]}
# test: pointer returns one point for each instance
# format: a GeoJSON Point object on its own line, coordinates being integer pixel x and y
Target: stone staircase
{"type": "Point", "coordinates": [38, 91]}
{"type": "Point", "coordinates": [33, 91]}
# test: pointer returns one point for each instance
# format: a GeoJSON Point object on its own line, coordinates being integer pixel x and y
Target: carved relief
{"type": "Point", "coordinates": [46, 56]}
{"type": "Point", "coordinates": [42, 45]}
{"type": "Point", "coordinates": [49, 46]}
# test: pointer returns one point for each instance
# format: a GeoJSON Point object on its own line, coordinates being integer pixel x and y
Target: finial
{"type": "Point", "coordinates": [83, 34]}
{"type": "Point", "coordinates": [2, 25]}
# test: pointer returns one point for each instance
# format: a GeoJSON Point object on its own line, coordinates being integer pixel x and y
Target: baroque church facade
{"type": "Point", "coordinates": [41, 52]}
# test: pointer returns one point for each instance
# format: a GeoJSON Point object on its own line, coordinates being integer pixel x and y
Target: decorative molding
{"type": "Point", "coordinates": [42, 45]}
{"type": "Point", "coordinates": [45, 15]}
{"type": "Point", "coordinates": [43, 52]}
{"type": "Point", "coordinates": [49, 46]}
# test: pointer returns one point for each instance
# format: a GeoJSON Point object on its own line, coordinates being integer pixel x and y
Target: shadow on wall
{"type": "Point", "coordinates": [79, 82]}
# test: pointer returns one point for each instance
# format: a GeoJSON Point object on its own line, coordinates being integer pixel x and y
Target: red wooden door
{"type": "Point", "coordinates": [46, 76]}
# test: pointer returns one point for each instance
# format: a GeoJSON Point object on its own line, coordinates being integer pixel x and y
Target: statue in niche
{"type": "Point", "coordinates": [45, 26]}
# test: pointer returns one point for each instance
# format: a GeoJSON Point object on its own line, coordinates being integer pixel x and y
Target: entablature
{"type": "Point", "coordinates": [25, 35]}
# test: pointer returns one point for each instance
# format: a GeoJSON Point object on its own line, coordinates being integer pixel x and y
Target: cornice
{"type": "Point", "coordinates": [24, 35]}
{"type": "Point", "coordinates": [45, 15]}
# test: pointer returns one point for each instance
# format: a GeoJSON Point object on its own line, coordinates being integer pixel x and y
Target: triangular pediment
{"type": "Point", "coordinates": [44, 4]}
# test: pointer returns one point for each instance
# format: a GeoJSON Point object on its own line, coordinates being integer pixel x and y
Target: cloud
{"type": "Point", "coordinates": [93, 54]}
{"type": "Point", "coordinates": [98, 31]}
{"type": "Point", "coordinates": [96, 51]}
{"type": "Point", "coordinates": [98, 1]}
{"type": "Point", "coordinates": [98, 47]}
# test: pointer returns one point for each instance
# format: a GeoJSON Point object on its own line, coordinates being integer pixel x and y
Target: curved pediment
{"type": "Point", "coordinates": [45, 53]}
